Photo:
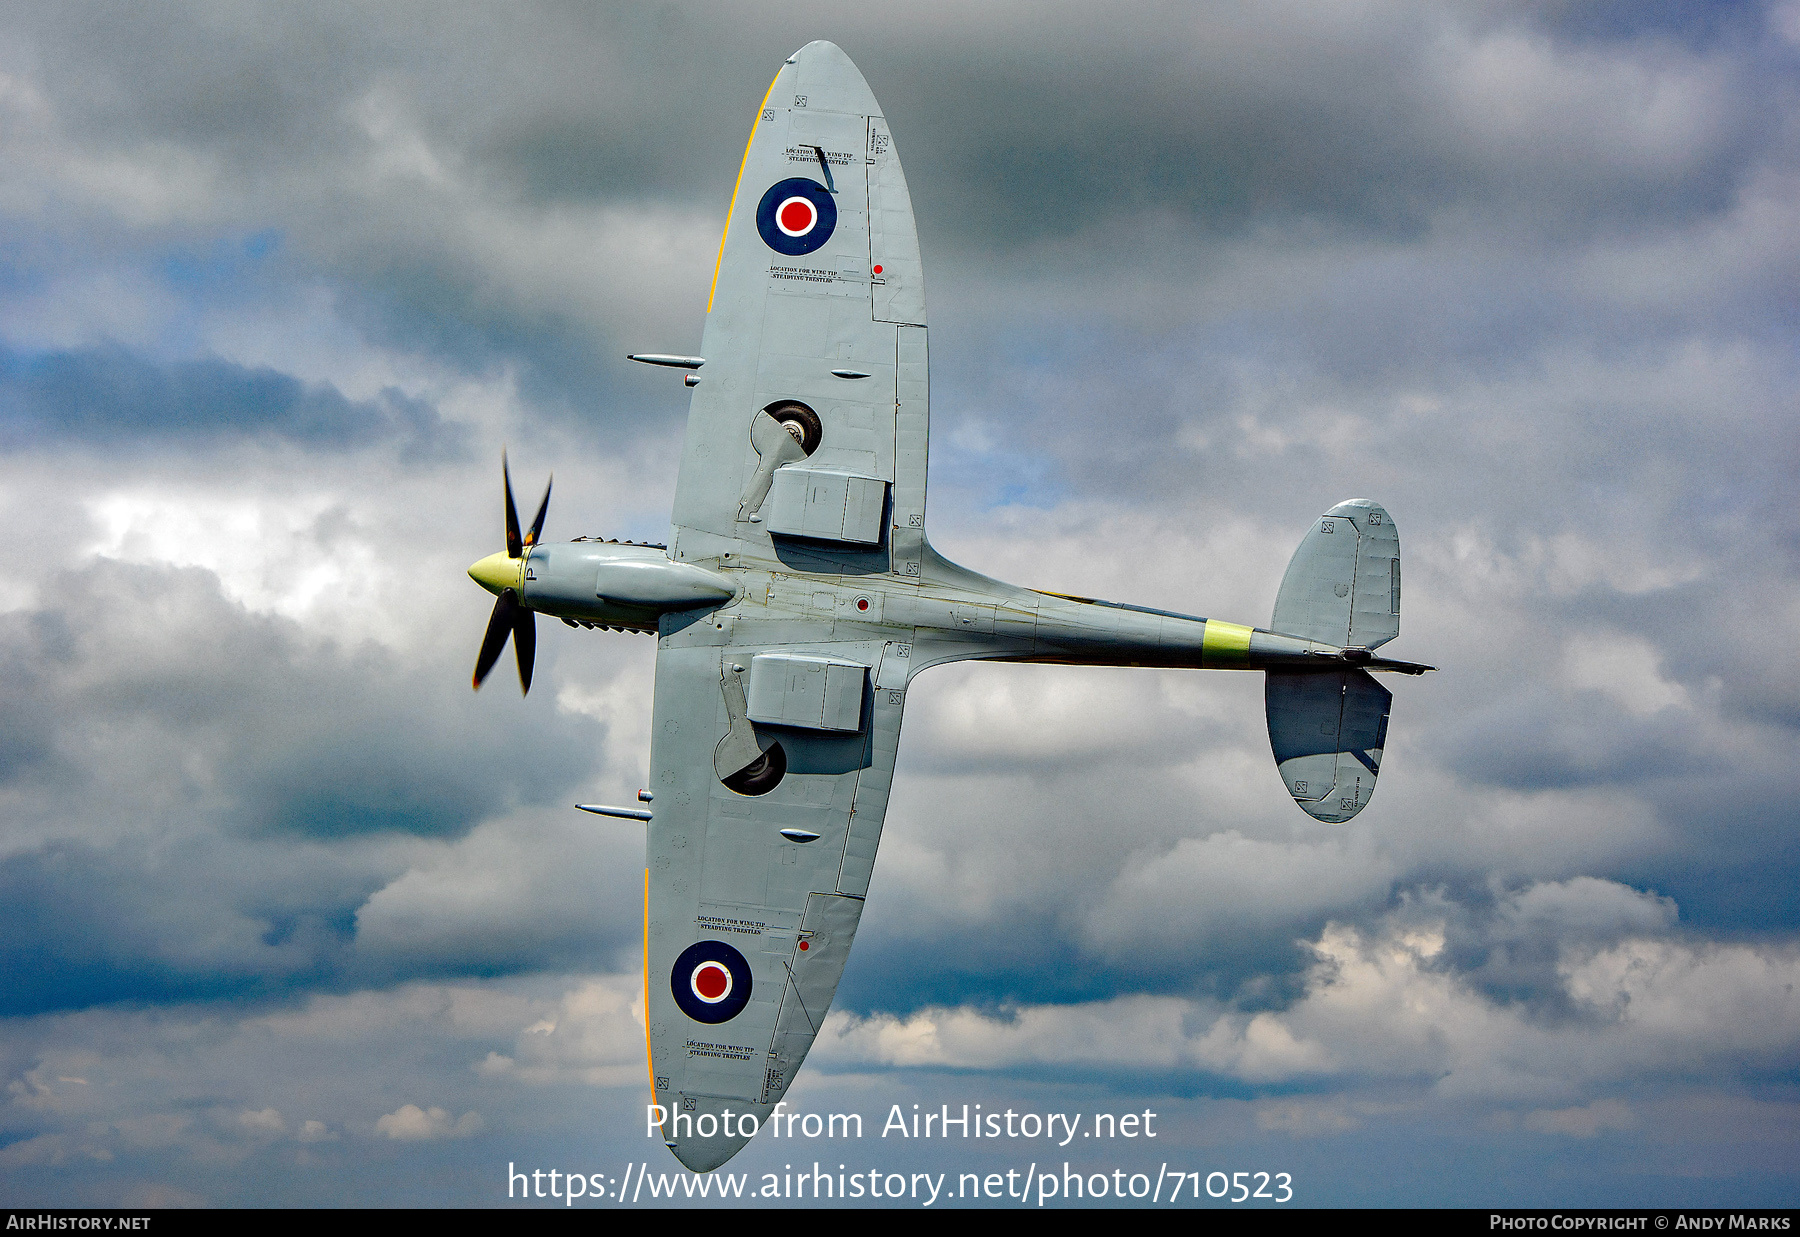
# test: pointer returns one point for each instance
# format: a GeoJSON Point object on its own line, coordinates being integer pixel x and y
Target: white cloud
{"type": "Point", "coordinates": [50, 1149]}
{"type": "Point", "coordinates": [145, 184]}
{"type": "Point", "coordinates": [1526, 102]}
{"type": "Point", "coordinates": [1670, 1002]}
{"type": "Point", "coordinates": [594, 1036]}
{"type": "Point", "coordinates": [1136, 1031]}
{"type": "Point", "coordinates": [270, 557]}
{"type": "Point", "coordinates": [1582, 907]}
{"type": "Point", "coordinates": [1230, 883]}
{"type": "Point", "coordinates": [263, 1123]}
{"type": "Point", "coordinates": [1626, 669]}
{"type": "Point", "coordinates": [410, 1123]}
{"type": "Point", "coordinates": [1388, 1005]}
{"type": "Point", "coordinates": [515, 885]}
{"type": "Point", "coordinates": [1305, 1118]}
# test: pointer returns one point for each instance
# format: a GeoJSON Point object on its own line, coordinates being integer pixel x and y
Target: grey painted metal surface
{"type": "Point", "coordinates": [622, 813]}
{"type": "Point", "coordinates": [1343, 585]}
{"type": "Point", "coordinates": [1327, 732]}
{"type": "Point", "coordinates": [801, 597]}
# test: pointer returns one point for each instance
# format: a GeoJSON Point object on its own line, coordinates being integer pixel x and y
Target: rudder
{"type": "Point", "coordinates": [1342, 586]}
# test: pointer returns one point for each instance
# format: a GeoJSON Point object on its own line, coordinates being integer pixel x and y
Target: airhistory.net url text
{"type": "Point", "coordinates": [640, 1184]}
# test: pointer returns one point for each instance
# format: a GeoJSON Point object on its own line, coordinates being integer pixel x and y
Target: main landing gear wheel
{"type": "Point", "coordinates": [800, 421]}
{"type": "Point", "coordinates": [761, 775]}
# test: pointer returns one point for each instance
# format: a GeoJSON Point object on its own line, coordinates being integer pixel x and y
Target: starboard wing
{"type": "Point", "coordinates": [818, 300]}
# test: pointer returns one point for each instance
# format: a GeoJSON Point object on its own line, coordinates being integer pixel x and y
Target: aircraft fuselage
{"type": "Point", "coordinates": [948, 614]}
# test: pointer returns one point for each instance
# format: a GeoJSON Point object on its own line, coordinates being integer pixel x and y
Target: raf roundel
{"type": "Point", "coordinates": [710, 981]}
{"type": "Point", "coordinates": [796, 216]}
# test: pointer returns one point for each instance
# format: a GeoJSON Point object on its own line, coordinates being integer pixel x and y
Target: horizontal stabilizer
{"type": "Point", "coordinates": [1327, 732]}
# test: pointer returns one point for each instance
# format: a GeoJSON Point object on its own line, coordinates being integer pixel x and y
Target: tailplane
{"type": "Point", "coordinates": [1327, 732]}
{"type": "Point", "coordinates": [1327, 728]}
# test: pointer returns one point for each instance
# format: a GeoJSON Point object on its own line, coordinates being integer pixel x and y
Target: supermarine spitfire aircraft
{"type": "Point", "coordinates": [801, 597]}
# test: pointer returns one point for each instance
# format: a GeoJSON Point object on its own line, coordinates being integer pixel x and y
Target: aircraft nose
{"type": "Point", "coordinates": [496, 573]}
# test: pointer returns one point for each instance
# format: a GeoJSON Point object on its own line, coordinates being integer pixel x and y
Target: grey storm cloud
{"type": "Point", "coordinates": [190, 766]}
{"type": "Point", "coordinates": [110, 398]}
{"type": "Point", "coordinates": [1033, 136]}
{"type": "Point", "coordinates": [87, 926]}
{"type": "Point", "coordinates": [151, 677]}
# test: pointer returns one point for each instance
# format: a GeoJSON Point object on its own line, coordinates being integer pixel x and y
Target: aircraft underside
{"type": "Point", "coordinates": [800, 597]}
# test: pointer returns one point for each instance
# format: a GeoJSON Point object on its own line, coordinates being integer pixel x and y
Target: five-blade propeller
{"type": "Point", "coordinates": [510, 617]}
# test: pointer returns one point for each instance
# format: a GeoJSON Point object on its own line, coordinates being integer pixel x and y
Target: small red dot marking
{"type": "Point", "coordinates": [803, 945]}
{"type": "Point", "coordinates": [878, 268]}
{"type": "Point", "coordinates": [862, 603]}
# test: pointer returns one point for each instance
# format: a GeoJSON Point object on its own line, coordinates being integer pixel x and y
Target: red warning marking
{"type": "Point", "coordinates": [711, 982]}
{"type": "Point", "coordinates": [796, 216]}
{"type": "Point", "coordinates": [862, 603]}
{"type": "Point", "coordinates": [803, 945]}
{"type": "Point", "coordinates": [878, 268]}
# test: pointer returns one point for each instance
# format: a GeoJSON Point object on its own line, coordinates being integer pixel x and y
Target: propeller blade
{"type": "Point", "coordinates": [512, 512]}
{"type": "Point", "coordinates": [510, 617]}
{"type": "Point", "coordinates": [524, 645]}
{"type": "Point", "coordinates": [537, 525]}
{"type": "Point", "coordinates": [501, 623]}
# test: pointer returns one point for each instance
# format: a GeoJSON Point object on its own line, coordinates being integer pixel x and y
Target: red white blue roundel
{"type": "Point", "coordinates": [796, 216]}
{"type": "Point", "coordinates": [710, 981]}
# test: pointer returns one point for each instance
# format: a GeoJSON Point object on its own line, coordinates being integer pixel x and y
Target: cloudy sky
{"type": "Point", "coordinates": [289, 915]}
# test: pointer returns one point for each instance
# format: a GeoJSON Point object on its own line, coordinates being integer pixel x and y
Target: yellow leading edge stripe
{"type": "Point", "coordinates": [649, 1061]}
{"type": "Point", "coordinates": [734, 192]}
